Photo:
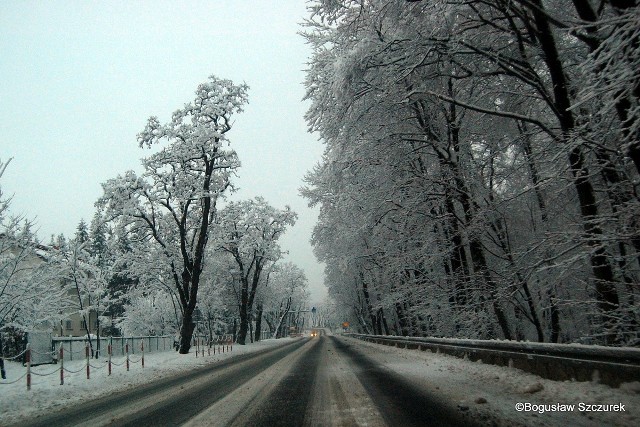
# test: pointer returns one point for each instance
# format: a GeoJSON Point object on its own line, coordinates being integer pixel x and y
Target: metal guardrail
{"type": "Point", "coordinates": [561, 362]}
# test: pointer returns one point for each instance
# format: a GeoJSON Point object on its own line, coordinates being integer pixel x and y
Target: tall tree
{"type": "Point", "coordinates": [171, 207]}
{"type": "Point", "coordinates": [249, 231]}
{"type": "Point", "coordinates": [82, 232]}
{"type": "Point", "coordinates": [287, 289]}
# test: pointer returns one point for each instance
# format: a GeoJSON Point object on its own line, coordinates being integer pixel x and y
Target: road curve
{"type": "Point", "coordinates": [320, 381]}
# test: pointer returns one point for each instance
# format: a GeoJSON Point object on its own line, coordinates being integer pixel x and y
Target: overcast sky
{"type": "Point", "coordinates": [78, 80]}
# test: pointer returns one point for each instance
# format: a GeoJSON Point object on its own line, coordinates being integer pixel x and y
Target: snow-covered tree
{"type": "Point", "coordinates": [32, 295]}
{"type": "Point", "coordinates": [171, 206]}
{"type": "Point", "coordinates": [98, 246]}
{"type": "Point", "coordinates": [249, 232]}
{"type": "Point", "coordinates": [286, 291]}
{"type": "Point", "coordinates": [150, 312]}
{"type": "Point", "coordinates": [470, 176]}
{"type": "Point", "coordinates": [82, 232]}
{"type": "Point", "coordinates": [61, 242]}
{"type": "Point", "coordinates": [216, 301]}
{"type": "Point", "coordinates": [88, 280]}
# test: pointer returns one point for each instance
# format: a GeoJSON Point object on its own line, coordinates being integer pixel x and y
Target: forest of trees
{"type": "Point", "coordinates": [165, 252]}
{"type": "Point", "coordinates": [480, 179]}
{"type": "Point", "coordinates": [481, 168]}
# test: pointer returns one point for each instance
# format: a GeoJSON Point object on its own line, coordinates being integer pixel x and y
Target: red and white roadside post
{"type": "Point", "coordinates": [109, 358]}
{"type": "Point", "coordinates": [28, 360]}
{"type": "Point", "coordinates": [61, 357]}
{"type": "Point", "coordinates": [126, 349]}
{"type": "Point", "coordinates": [86, 354]}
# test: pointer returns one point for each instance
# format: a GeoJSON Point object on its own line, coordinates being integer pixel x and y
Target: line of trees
{"type": "Point", "coordinates": [480, 177]}
{"type": "Point", "coordinates": [161, 255]}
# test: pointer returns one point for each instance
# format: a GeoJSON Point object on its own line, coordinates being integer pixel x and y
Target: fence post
{"type": "Point", "coordinates": [86, 354]}
{"type": "Point", "coordinates": [61, 364]}
{"type": "Point", "coordinates": [142, 350]}
{"type": "Point", "coordinates": [126, 346]}
{"type": "Point", "coordinates": [109, 358]}
{"type": "Point", "coordinates": [28, 360]}
{"type": "Point", "coordinates": [70, 350]}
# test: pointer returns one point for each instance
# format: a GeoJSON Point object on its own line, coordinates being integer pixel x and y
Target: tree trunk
{"type": "Point", "coordinates": [235, 328]}
{"type": "Point", "coordinates": [244, 311]}
{"type": "Point", "coordinates": [258, 332]}
{"type": "Point", "coordinates": [402, 320]}
{"type": "Point", "coordinates": [367, 301]}
{"type": "Point", "coordinates": [97, 335]}
{"type": "Point", "coordinates": [272, 330]}
{"type": "Point", "coordinates": [251, 331]}
{"type": "Point", "coordinates": [247, 295]}
{"type": "Point", "coordinates": [554, 313]}
{"type": "Point", "coordinates": [244, 325]}
{"type": "Point", "coordinates": [384, 321]}
{"type": "Point", "coordinates": [186, 331]}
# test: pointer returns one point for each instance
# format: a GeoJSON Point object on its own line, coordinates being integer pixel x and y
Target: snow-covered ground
{"type": "Point", "coordinates": [485, 392]}
{"type": "Point", "coordinates": [47, 394]}
{"type": "Point", "coordinates": [491, 393]}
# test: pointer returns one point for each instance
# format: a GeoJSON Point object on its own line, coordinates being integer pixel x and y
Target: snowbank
{"type": "Point", "coordinates": [490, 393]}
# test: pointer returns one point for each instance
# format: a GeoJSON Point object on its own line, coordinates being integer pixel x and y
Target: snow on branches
{"type": "Point", "coordinates": [249, 231]}
{"type": "Point", "coordinates": [475, 181]}
{"type": "Point", "coordinates": [170, 207]}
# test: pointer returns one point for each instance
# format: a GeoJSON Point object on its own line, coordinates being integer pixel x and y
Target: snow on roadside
{"type": "Point", "coordinates": [47, 395]}
{"type": "Point", "coordinates": [489, 393]}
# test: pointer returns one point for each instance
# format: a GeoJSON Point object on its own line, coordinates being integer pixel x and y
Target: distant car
{"type": "Point", "coordinates": [315, 333]}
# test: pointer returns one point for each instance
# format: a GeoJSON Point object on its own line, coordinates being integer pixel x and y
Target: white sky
{"type": "Point", "coordinates": [78, 79]}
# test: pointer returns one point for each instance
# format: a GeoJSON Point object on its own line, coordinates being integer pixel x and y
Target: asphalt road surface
{"type": "Point", "coordinates": [318, 381]}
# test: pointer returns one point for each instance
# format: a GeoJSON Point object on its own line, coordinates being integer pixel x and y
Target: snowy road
{"type": "Point", "coordinates": [326, 383]}
{"type": "Point", "coordinates": [316, 381]}
{"type": "Point", "coordinates": [340, 381]}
